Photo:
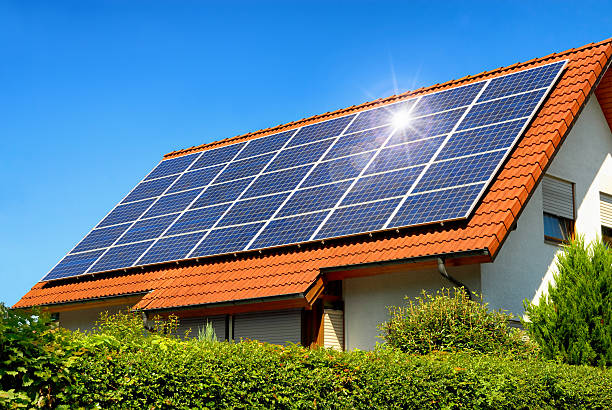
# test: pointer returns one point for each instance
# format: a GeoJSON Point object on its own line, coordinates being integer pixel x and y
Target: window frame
{"type": "Point", "coordinates": [570, 224]}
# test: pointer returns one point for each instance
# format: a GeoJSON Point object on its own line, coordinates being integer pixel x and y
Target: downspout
{"type": "Point", "coordinates": [454, 281]}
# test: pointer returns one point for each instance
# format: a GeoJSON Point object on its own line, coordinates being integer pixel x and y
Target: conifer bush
{"type": "Point", "coordinates": [573, 322]}
{"type": "Point", "coordinates": [448, 320]}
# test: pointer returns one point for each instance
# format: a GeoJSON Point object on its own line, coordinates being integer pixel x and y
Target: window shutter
{"type": "Point", "coordinates": [277, 327]}
{"type": "Point", "coordinates": [606, 209]}
{"type": "Point", "coordinates": [195, 323]}
{"type": "Point", "coordinates": [558, 197]}
{"type": "Point", "coordinates": [333, 330]}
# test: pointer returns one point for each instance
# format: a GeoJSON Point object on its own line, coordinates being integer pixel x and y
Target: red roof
{"type": "Point", "coordinates": [292, 271]}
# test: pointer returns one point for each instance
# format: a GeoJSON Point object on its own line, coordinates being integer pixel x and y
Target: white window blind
{"type": "Point", "coordinates": [333, 329]}
{"type": "Point", "coordinates": [605, 204]}
{"type": "Point", "coordinates": [558, 197]}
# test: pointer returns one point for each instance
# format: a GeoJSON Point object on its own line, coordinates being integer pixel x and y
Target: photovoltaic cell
{"type": "Point", "coordinates": [459, 171]}
{"type": "Point", "coordinates": [521, 81]}
{"type": "Point", "coordinates": [149, 189]}
{"type": "Point", "coordinates": [379, 186]}
{"type": "Point", "coordinates": [227, 240]}
{"type": "Point", "coordinates": [195, 179]}
{"type": "Point", "coordinates": [358, 218]}
{"type": "Point", "coordinates": [436, 206]}
{"type": "Point", "coordinates": [314, 199]}
{"type": "Point", "coordinates": [147, 229]}
{"type": "Point", "coordinates": [221, 200]}
{"type": "Point", "coordinates": [220, 193]}
{"type": "Point", "coordinates": [126, 213]}
{"type": "Point", "coordinates": [217, 156]}
{"type": "Point", "coordinates": [337, 169]}
{"type": "Point", "coordinates": [172, 166]}
{"type": "Point", "coordinates": [250, 210]}
{"type": "Point", "coordinates": [120, 256]}
{"type": "Point", "coordinates": [101, 238]}
{"type": "Point", "coordinates": [265, 144]}
{"type": "Point", "coordinates": [509, 108]}
{"type": "Point", "coordinates": [171, 248]}
{"type": "Point", "coordinates": [289, 230]}
{"type": "Point", "coordinates": [168, 204]}
{"type": "Point", "coordinates": [321, 131]}
{"type": "Point", "coordinates": [197, 220]}
{"type": "Point", "coordinates": [278, 181]}
{"type": "Point", "coordinates": [405, 155]}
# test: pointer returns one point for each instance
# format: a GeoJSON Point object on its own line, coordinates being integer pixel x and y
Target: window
{"type": "Point", "coordinates": [606, 217]}
{"type": "Point", "coordinates": [558, 205]}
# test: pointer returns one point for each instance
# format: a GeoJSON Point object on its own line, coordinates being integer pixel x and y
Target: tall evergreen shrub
{"type": "Point", "coordinates": [573, 322]}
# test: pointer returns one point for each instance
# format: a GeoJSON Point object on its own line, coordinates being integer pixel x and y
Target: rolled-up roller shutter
{"type": "Point", "coordinates": [277, 327]}
{"type": "Point", "coordinates": [196, 323]}
{"type": "Point", "coordinates": [333, 329]}
{"type": "Point", "coordinates": [558, 197]}
{"type": "Point", "coordinates": [606, 209]}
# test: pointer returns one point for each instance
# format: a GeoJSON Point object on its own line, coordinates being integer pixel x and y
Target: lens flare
{"type": "Point", "coordinates": [401, 119]}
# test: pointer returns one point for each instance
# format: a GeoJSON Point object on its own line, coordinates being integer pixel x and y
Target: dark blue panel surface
{"type": "Point", "coordinates": [447, 99]}
{"type": "Point", "coordinates": [197, 220]}
{"type": "Point", "coordinates": [120, 256]}
{"type": "Point", "coordinates": [244, 168]}
{"type": "Point", "coordinates": [147, 229]}
{"type": "Point", "coordinates": [278, 181]}
{"type": "Point", "coordinates": [314, 199]}
{"type": "Point", "coordinates": [522, 81]}
{"type": "Point", "coordinates": [338, 169]}
{"type": "Point", "coordinates": [150, 189]}
{"type": "Point", "coordinates": [304, 154]}
{"type": "Point", "coordinates": [250, 210]}
{"type": "Point", "coordinates": [453, 203]}
{"type": "Point", "coordinates": [430, 126]}
{"type": "Point", "coordinates": [100, 238]}
{"type": "Point", "coordinates": [220, 193]}
{"type": "Point", "coordinates": [226, 240]}
{"type": "Point", "coordinates": [168, 204]}
{"type": "Point", "coordinates": [265, 144]}
{"type": "Point", "coordinates": [358, 218]}
{"type": "Point", "coordinates": [508, 108]}
{"type": "Point", "coordinates": [379, 116]}
{"type": "Point", "coordinates": [73, 265]}
{"type": "Point", "coordinates": [481, 139]}
{"type": "Point", "coordinates": [379, 186]}
{"type": "Point", "coordinates": [405, 155]}
{"type": "Point", "coordinates": [322, 130]}
{"type": "Point", "coordinates": [126, 213]}
{"type": "Point", "coordinates": [459, 171]}
{"type": "Point", "coordinates": [217, 156]}
{"type": "Point", "coordinates": [171, 248]}
{"type": "Point", "coordinates": [289, 230]}
{"type": "Point", "coordinates": [359, 142]}
{"type": "Point", "coordinates": [195, 179]}
{"type": "Point", "coordinates": [172, 166]}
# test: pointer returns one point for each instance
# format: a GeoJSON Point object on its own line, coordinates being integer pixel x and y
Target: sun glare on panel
{"type": "Point", "coordinates": [401, 119]}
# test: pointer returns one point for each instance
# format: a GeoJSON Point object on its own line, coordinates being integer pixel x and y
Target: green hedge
{"type": "Point", "coordinates": [122, 366]}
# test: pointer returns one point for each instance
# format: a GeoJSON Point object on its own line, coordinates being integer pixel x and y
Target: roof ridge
{"type": "Point", "coordinates": [382, 100]}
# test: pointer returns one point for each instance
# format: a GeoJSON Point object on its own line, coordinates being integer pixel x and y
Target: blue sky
{"type": "Point", "coordinates": [94, 93]}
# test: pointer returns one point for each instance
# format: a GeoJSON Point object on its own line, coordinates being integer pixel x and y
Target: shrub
{"type": "Point", "coordinates": [573, 322]}
{"type": "Point", "coordinates": [207, 333]}
{"type": "Point", "coordinates": [448, 320]}
{"type": "Point", "coordinates": [34, 356]}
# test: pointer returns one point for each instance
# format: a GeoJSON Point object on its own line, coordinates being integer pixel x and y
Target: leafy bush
{"type": "Point", "coordinates": [34, 355]}
{"type": "Point", "coordinates": [448, 320]}
{"type": "Point", "coordinates": [573, 322]}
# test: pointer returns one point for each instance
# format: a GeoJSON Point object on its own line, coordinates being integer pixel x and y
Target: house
{"type": "Point", "coordinates": [556, 179]}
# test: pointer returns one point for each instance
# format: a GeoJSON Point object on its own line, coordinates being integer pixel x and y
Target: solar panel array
{"type": "Point", "coordinates": [353, 174]}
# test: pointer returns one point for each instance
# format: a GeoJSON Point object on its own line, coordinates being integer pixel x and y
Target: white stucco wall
{"type": "Point", "coordinates": [526, 263]}
{"type": "Point", "coordinates": [85, 319]}
{"type": "Point", "coordinates": [366, 299]}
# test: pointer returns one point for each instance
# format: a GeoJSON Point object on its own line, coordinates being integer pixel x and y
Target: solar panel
{"type": "Point", "coordinates": [348, 175]}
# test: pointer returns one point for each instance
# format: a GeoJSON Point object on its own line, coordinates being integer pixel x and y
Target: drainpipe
{"type": "Point", "coordinates": [456, 282]}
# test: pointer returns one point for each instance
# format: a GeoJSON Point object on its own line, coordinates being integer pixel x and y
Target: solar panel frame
{"type": "Point", "coordinates": [239, 146]}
